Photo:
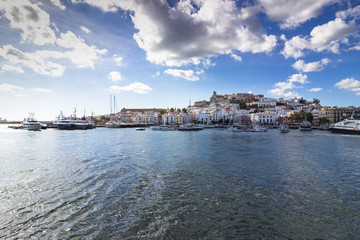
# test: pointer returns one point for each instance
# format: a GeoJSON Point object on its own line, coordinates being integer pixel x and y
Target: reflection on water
{"type": "Point", "coordinates": [122, 183]}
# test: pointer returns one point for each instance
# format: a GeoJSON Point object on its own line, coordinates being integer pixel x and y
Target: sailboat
{"type": "Point", "coordinates": [305, 125]}
{"type": "Point", "coordinates": [113, 123]}
{"type": "Point", "coordinates": [234, 129]}
{"type": "Point", "coordinates": [284, 128]}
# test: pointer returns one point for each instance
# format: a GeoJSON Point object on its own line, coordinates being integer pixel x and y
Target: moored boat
{"type": "Point", "coordinates": [305, 126]}
{"type": "Point", "coordinates": [189, 127]}
{"type": "Point", "coordinates": [348, 126]}
{"type": "Point", "coordinates": [31, 123]}
{"type": "Point", "coordinates": [284, 128]}
{"type": "Point", "coordinates": [258, 128]}
{"type": "Point", "coordinates": [71, 123]}
{"type": "Point", "coordinates": [161, 128]}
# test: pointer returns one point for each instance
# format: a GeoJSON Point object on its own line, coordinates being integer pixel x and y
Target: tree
{"type": "Point", "coordinates": [162, 112]}
{"type": "Point", "coordinates": [302, 101]}
{"type": "Point", "coordinates": [323, 120]}
{"type": "Point", "coordinates": [172, 110]}
{"type": "Point", "coordinates": [184, 110]}
{"type": "Point", "coordinates": [295, 117]}
{"type": "Point", "coordinates": [220, 121]}
{"type": "Point", "coordinates": [242, 104]}
{"type": "Point", "coordinates": [178, 110]}
{"type": "Point", "coordinates": [309, 117]}
{"type": "Point", "coordinates": [315, 100]}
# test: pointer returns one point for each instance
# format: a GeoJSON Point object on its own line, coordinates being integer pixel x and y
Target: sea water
{"type": "Point", "coordinates": [210, 184]}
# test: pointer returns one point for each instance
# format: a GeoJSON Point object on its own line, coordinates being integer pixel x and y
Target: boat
{"type": "Point", "coordinates": [305, 126]}
{"type": "Point", "coordinates": [114, 124]}
{"type": "Point", "coordinates": [347, 126]}
{"type": "Point", "coordinates": [284, 128]}
{"type": "Point", "coordinates": [235, 129]}
{"type": "Point", "coordinates": [258, 128]}
{"type": "Point", "coordinates": [31, 123]}
{"type": "Point", "coordinates": [71, 123]}
{"type": "Point", "coordinates": [161, 128]}
{"type": "Point", "coordinates": [140, 129]}
{"type": "Point", "coordinates": [189, 127]}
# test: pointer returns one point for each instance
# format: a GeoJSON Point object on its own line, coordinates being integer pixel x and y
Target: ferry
{"type": "Point", "coordinates": [348, 126]}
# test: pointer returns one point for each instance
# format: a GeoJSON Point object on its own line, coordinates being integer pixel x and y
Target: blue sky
{"type": "Point", "coordinates": [57, 55]}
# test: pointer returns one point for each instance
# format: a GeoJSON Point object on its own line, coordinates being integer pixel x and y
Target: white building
{"type": "Point", "coordinates": [263, 118]}
{"type": "Point", "coordinates": [204, 118]}
{"type": "Point", "coordinates": [168, 118]}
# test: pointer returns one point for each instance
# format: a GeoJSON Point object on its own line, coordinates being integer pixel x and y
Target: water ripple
{"type": "Point", "coordinates": [212, 184]}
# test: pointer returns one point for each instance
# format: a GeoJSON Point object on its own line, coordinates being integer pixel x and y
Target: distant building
{"type": "Point", "coordinates": [215, 98]}
{"type": "Point", "coordinates": [203, 103]}
{"type": "Point", "coordinates": [335, 115]}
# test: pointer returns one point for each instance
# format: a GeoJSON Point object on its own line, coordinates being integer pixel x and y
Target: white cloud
{"type": "Point", "coordinates": [349, 84]}
{"type": "Point", "coordinates": [4, 87]}
{"type": "Point", "coordinates": [80, 54]}
{"type": "Point", "coordinates": [33, 22]}
{"type": "Point", "coordinates": [292, 13]}
{"type": "Point", "coordinates": [352, 12]}
{"type": "Point", "coordinates": [17, 58]}
{"type": "Point", "coordinates": [282, 88]}
{"type": "Point", "coordinates": [185, 74]}
{"type": "Point", "coordinates": [13, 68]}
{"type": "Point", "coordinates": [118, 59]}
{"type": "Point", "coordinates": [58, 4]}
{"type": "Point", "coordinates": [236, 57]}
{"type": "Point", "coordinates": [85, 29]}
{"type": "Point", "coordinates": [200, 71]}
{"type": "Point", "coordinates": [114, 76]}
{"type": "Point", "coordinates": [301, 66]}
{"type": "Point", "coordinates": [314, 90]}
{"type": "Point", "coordinates": [43, 90]}
{"type": "Point", "coordinates": [192, 30]}
{"type": "Point", "coordinates": [326, 37]}
{"type": "Point", "coordinates": [135, 87]}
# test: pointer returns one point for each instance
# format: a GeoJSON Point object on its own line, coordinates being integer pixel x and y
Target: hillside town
{"type": "Point", "coordinates": [236, 108]}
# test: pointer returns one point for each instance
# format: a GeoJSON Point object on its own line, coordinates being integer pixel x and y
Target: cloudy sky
{"type": "Point", "coordinates": [65, 54]}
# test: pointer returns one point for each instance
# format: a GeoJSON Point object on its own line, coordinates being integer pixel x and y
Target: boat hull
{"type": "Point", "coordinates": [66, 126]}
{"type": "Point", "coordinates": [32, 127]}
{"type": "Point", "coordinates": [189, 129]}
{"type": "Point", "coordinates": [345, 131]}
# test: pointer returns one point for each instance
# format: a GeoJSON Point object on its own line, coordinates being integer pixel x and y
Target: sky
{"type": "Point", "coordinates": [59, 55]}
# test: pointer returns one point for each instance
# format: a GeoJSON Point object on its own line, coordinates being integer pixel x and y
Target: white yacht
{"type": "Point", "coordinates": [31, 123]}
{"type": "Point", "coordinates": [72, 123]}
{"type": "Point", "coordinates": [258, 128]}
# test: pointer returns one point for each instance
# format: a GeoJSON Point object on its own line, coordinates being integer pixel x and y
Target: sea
{"type": "Point", "coordinates": [210, 184]}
